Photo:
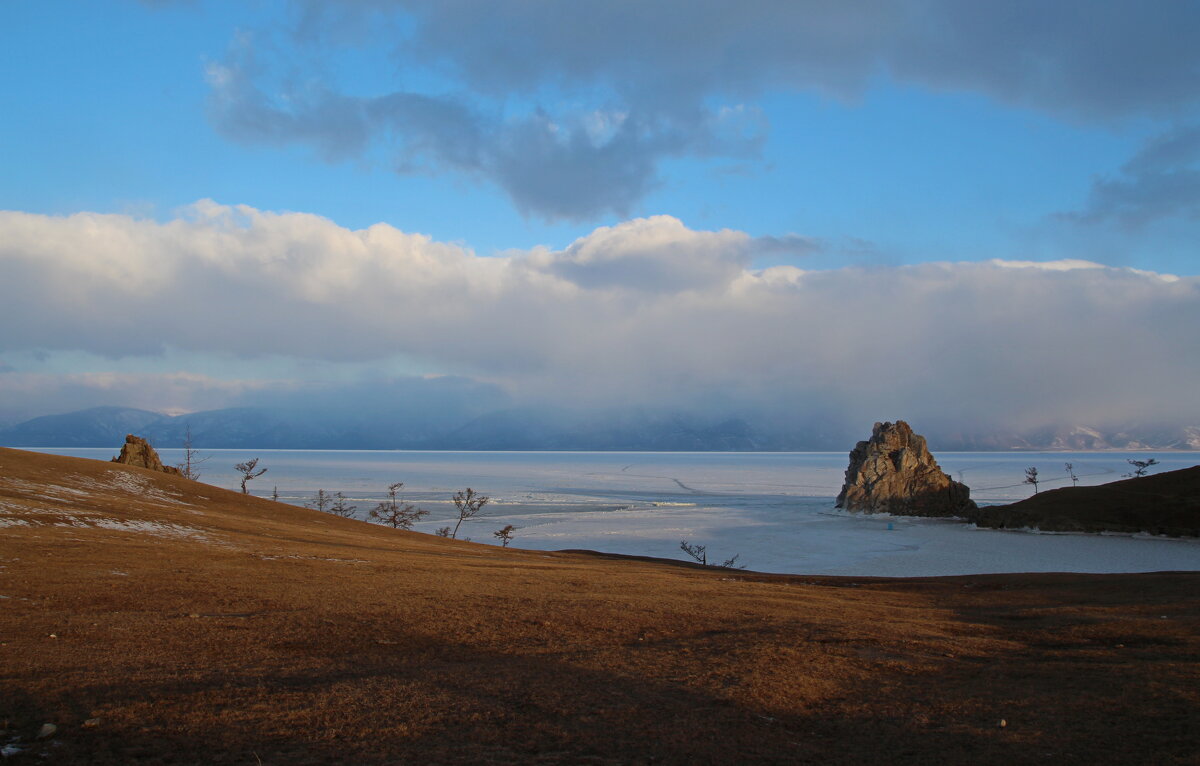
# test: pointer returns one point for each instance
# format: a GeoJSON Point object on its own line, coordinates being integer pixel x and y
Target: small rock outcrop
{"type": "Point", "coordinates": [138, 452]}
{"type": "Point", "coordinates": [893, 472]}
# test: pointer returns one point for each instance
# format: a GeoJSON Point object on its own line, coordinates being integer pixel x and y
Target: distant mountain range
{"type": "Point", "coordinates": [528, 429]}
{"type": "Point", "coordinates": [268, 428]}
{"type": "Point", "coordinates": [1078, 438]}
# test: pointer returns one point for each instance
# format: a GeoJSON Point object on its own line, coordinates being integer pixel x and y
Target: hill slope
{"type": "Point", "coordinates": [1162, 504]}
{"type": "Point", "coordinates": [159, 620]}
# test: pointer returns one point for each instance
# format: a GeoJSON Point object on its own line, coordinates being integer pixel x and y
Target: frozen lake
{"type": "Point", "coordinates": [773, 509]}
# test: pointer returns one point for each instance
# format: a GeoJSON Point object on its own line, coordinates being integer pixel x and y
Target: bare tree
{"type": "Point", "coordinates": [700, 553]}
{"type": "Point", "coordinates": [1031, 477]}
{"type": "Point", "coordinates": [1071, 473]}
{"type": "Point", "coordinates": [469, 504]}
{"type": "Point", "coordinates": [1140, 467]}
{"type": "Point", "coordinates": [732, 563]}
{"type": "Point", "coordinates": [443, 532]}
{"type": "Point", "coordinates": [396, 513]}
{"type": "Point", "coordinates": [247, 471]}
{"type": "Point", "coordinates": [334, 503]}
{"type": "Point", "coordinates": [339, 507]}
{"type": "Point", "coordinates": [190, 467]}
{"type": "Point", "coordinates": [505, 535]}
{"type": "Point", "coordinates": [320, 501]}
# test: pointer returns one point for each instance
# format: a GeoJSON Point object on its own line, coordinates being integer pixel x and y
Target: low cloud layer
{"type": "Point", "coordinates": [570, 108]}
{"type": "Point", "coordinates": [25, 395]}
{"type": "Point", "coordinates": [647, 313]}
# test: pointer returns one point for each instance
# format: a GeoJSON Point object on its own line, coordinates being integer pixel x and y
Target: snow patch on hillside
{"type": "Point", "coordinates": [156, 528]}
{"type": "Point", "coordinates": [136, 484]}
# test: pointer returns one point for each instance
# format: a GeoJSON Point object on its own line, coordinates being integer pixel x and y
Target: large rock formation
{"type": "Point", "coordinates": [137, 451]}
{"type": "Point", "coordinates": [894, 472]}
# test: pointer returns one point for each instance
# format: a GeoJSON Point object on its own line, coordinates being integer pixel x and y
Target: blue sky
{"type": "Point", "coordinates": [868, 135]}
{"type": "Point", "coordinates": [109, 110]}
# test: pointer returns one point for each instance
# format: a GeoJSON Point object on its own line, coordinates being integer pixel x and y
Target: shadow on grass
{"type": "Point", "coordinates": [414, 700]}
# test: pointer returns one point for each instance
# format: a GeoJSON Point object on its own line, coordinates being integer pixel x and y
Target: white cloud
{"type": "Point", "coordinates": [1066, 264]}
{"type": "Point", "coordinates": [646, 312]}
{"type": "Point", "coordinates": [657, 253]}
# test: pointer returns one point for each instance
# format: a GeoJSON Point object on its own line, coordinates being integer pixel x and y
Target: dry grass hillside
{"type": "Point", "coordinates": [156, 620]}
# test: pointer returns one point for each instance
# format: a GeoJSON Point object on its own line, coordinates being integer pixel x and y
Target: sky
{"type": "Point", "coordinates": [984, 214]}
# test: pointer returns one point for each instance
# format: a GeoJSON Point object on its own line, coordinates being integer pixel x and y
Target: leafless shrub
{"type": "Point", "coordinates": [320, 501]}
{"type": "Point", "coordinates": [247, 471]}
{"type": "Point", "coordinates": [505, 535]}
{"type": "Point", "coordinates": [1140, 467]}
{"type": "Point", "coordinates": [732, 563]}
{"type": "Point", "coordinates": [1031, 477]}
{"type": "Point", "coordinates": [469, 504]}
{"type": "Point", "coordinates": [396, 513]}
{"type": "Point", "coordinates": [700, 554]}
{"type": "Point", "coordinates": [190, 467]}
{"type": "Point", "coordinates": [339, 507]}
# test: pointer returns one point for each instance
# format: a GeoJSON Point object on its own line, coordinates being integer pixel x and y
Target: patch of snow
{"type": "Point", "coordinates": [157, 528]}
{"type": "Point", "coordinates": [53, 492]}
{"type": "Point", "coordinates": [268, 557]}
{"type": "Point", "coordinates": [141, 486]}
{"type": "Point", "coordinates": [44, 510]}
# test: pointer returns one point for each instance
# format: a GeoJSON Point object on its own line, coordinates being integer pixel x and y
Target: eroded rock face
{"type": "Point", "coordinates": [893, 472]}
{"type": "Point", "coordinates": [138, 452]}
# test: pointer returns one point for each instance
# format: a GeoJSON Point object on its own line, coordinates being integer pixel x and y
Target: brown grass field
{"type": "Point", "coordinates": [156, 620]}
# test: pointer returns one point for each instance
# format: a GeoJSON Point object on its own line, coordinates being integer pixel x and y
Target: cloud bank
{"type": "Point", "coordinates": [571, 108]}
{"type": "Point", "coordinates": [25, 395]}
{"type": "Point", "coordinates": [646, 313]}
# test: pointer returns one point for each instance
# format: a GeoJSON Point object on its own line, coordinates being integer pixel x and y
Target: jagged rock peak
{"type": "Point", "coordinates": [138, 452]}
{"type": "Point", "coordinates": [894, 472]}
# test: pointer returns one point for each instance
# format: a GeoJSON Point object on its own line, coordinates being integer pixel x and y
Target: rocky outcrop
{"type": "Point", "coordinates": [893, 472]}
{"type": "Point", "coordinates": [138, 452]}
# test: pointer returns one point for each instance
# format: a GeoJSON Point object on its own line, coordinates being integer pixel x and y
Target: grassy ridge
{"type": "Point", "coordinates": [1163, 504]}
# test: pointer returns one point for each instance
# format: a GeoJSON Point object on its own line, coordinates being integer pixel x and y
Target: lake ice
{"type": "Point", "coordinates": [774, 510]}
